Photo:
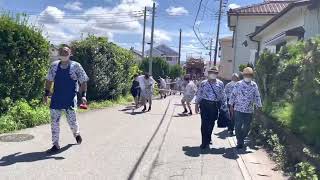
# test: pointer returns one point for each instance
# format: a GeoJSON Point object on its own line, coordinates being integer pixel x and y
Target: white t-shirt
{"type": "Point", "coordinates": [145, 83]}
{"type": "Point", "coordinates": [190, 89]}
{"type": "Point", "coordinates": [163, 83]}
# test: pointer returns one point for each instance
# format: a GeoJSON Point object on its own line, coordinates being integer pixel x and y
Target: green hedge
{"type": "Point", "coordinates": [290, 85]}
{"type": "Point", "coordinates": [24, 59]}
{"type": "Point", "coordinates": [109, 67]}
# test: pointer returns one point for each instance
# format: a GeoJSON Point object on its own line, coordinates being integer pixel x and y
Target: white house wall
{"type": "Point", "coordinates": [245, 26]}
{"type": "Point", "coordinates": [312, 23]}
{"type": "Point", "coordinates": [227, 55]}
{"type": "Point", "coordinates": [290, 20]}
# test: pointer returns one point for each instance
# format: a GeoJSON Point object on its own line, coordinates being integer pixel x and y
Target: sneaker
{"type": "Point", "coordinates": [54, 149]}
{"type": "Point", "coordinates": [144, 108]}
{"type": "Point", "coordinates": [185, 111]}
{"type": "Point", "coordinates": [79, 139]}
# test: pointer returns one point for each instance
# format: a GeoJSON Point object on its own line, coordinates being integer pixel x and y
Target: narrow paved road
{"type": "Point", "coordinates": [119, 145]}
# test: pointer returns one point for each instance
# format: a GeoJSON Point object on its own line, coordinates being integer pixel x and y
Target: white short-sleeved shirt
{"type": "Point", "coordinates": [190, 89]}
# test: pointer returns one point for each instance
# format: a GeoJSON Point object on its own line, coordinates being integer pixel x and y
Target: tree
{"type": "Point", "coordinates": [160, 67]}
{"type": "Point", "coordinates": [241, 67]}
{"type": "Point", "coordinates": [24, 59]}
{"type": "Point", "coordinates": [176, 71]}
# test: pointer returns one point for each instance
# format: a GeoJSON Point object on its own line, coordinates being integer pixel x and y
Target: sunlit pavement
{"type": "Point", "coordinates": [121, 144]}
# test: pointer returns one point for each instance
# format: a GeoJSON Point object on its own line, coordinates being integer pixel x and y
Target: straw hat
{"type": "Point", "coordinates": [235, 75]}
{"type": "Point", "coordinates": [247, 71]}
{"type": "Point", "coordinates": [214, 69]}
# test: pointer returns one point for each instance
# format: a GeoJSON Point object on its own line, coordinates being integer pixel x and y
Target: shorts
{"type": "Point", "coordinates": [187, 98]}
{"type": "Point", "coordinates": [146, 94]}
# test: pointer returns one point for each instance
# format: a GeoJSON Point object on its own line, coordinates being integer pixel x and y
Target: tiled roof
{"type": "Point", "coordinates": [269, 7]}
{"type": "Point", "coordinates": [284, 11]}
{"type": "Point", "coordinates": [166, 50]}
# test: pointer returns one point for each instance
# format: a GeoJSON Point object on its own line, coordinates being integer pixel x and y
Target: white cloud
{"type": "Point", "coordinates": [160, 36]}
{"type": "Point", "coordinates": [177, 11]}
{"type": "Point", "coordinates": [56, 34]}
{"type": "Point", "coordinates": [193, 41]}
{"type": "Point", "coordinates": [233, 6]}
{"type": "Point", "coordinates": [114, 19]}
{"type": "Point", "coordinates": [74, 6]}
{"type": "Point", "coordinates": [51, 15]}
{"type": "Point", "coordinates": [126, 17]}
{"type": "Point", "coordinates": [133, 5]}
{"type": "Point", "coordinates": [98, 31]}
{"type": "Point", "coordinates": [198, 23]}
{"type": "Point", "coordinates": [189, 34]}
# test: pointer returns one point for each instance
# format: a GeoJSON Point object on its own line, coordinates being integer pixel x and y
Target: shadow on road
{"type": "Point", "coordinates": [181, 115]}
{"type": "Point", "coordinates": [196, 151]}
{"type": "Point", "coordinates": [228, 153]}
{"type": "Point", "coordinates": [135, 113]}
{"type": "Point", "coordinates": [31, 157]}
{"type": "Point", "coordinates": [127, 108]}
{"type": "Point", "coordinates": [223, 134]}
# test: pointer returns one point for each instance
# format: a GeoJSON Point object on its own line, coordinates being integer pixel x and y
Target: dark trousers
{"type": "Point", "coordinates": [242, 125]}
{"type": "Point", "coordinates": [209, 114]}
{"type": "Point", "coordinates": [231, 123]}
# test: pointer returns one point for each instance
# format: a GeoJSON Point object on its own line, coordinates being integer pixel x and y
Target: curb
{"type": "Point", "coordinates": [242, 165]}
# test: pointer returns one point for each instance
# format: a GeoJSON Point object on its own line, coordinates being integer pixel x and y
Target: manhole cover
{"type": "Point", "coordinates": [16, 137]}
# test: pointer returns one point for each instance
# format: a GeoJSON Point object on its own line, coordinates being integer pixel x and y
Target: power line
{"type": "Point", "coordinates": [88, 16]}
{"type": "Point", "coordinates": [95, 18]}
{"type": "Point", "coordinates": [118, 22]}
{"type": "Point", "coordinates": [76, 14]}
{"type": "Point", "coordinates": [194, 25]}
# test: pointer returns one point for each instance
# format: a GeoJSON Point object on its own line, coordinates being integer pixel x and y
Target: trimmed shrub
{"type": "Point", "coordinates": [24, 59]}
{"type": "Point", "coordinates": [290, 84]}
{"type": "Point", "coordinates": [109, 67]}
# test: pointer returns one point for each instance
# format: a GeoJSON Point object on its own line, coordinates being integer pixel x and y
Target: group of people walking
{"type": "Point", "coordinates": [238, 98]}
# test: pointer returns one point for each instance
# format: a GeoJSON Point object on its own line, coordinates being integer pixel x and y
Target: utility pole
{"type": "Point", "coordinates": [180, 39]}
{"type": "Point", "coordinates": [151, 44]}
{"type": "Point", "coordinates": [210, 53]}
{"type": "Point", "coordinates": [217, 37]}
{"type": "Point", "coordinates": [144, 30]}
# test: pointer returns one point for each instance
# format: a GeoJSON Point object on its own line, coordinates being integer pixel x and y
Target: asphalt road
{"type": "Point", "coordinates": [121, 145]}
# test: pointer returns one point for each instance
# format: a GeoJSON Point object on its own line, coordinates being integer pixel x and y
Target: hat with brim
{"type": "Point", "coordinates": [213, 70]}
{"type": "Point", "coordinates": [247, 71]}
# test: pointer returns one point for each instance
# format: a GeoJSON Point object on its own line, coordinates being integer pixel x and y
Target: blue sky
{"type": "Point", "coordinates": [121, 20]}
